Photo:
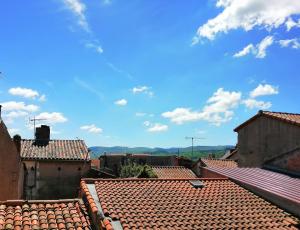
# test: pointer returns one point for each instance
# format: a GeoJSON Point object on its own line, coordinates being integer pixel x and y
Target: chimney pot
{"type": "Point", "coordinates": [17, 141]}
{"type": "Point", "coordinates": [42, 134]}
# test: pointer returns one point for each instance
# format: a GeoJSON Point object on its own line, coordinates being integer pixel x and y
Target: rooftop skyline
{"type": "Point", "coordinates": [147, 73]}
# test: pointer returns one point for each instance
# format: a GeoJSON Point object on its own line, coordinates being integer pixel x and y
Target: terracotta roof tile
{"type": "Point", "coordinates": [293, 118]}
{"type": "Point", "coordinates": [55, 150]}
{"type": "Point", "coordinates": [176, 204]}
{"type": "Point", "coordinates": [69, 214]}
{"type": "Point", "coordinates": [173, 172]}
{"type": "Point", "coordinates": [219, 163]}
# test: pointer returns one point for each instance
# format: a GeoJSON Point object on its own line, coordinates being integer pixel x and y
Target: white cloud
{"type": "Point", "coordinates": [246, 50]}
{"type": "Point", "coordinates": [53, 117]}
{"type": "Point", "coordinates": [248, 14]}
{"type": "Point", "coordinates": [91, 128]}
{"type": "Point", "coordinates": [13, 131]}
{"type": "Point", "coordinates": [294, 43]}
{"type": "Point", "coordinates": [13, 105]}
{"type": "Point", "coordinates": [254, 104]}
{"type": "Point", "coordinates": [142, 89]}
{"type": "Point", "coordinates": [78, 9]}
{"type": "Point", "coordinates": [217, 110]}
{"type": "Point", "coordinates": [263, 90]}
{"type": "Point", "coordinates": [95, 46]}
{"type": "Point", "coordinates": [259, 50]}
{"type": "Point", "coordinates": [24, 92]}
{"type": "Point", "coordinates": [290, 23]}
{"type": "Point", "coordinates": [121, 102]}
{"type": "Point", "coordinates": [155, 128]}
{"type": "Point", "coordinates": [263, 45]}
{"type": "Point", "coordinates": [15, 114]}
{"type": "Point", "coordinates": [42, 98]}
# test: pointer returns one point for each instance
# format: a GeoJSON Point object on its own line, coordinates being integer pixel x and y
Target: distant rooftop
{"type": "Point", "coordinates": [54, 150]}
{"type": "Point", "coordinates": [173, 172]}
{"type": "Point", "coordinates": [219, 163]}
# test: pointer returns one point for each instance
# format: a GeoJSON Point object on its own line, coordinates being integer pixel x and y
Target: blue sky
{"type": "Point", "coordinates": [147, 73]}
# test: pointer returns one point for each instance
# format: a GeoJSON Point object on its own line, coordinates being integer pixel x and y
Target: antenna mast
{"type": "Point", "coordinates": [34, 120]}
{"type": "Point", "coordinates": [193, 138]}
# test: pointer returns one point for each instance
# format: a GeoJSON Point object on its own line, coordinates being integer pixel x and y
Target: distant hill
{"type": "Point", "coordinates": [100, 150]}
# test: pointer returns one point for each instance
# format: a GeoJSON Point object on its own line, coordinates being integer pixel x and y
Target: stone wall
{"type": "Point", "coordinates": [264, 139]}
{"type": "Point", "coordinates": [11, 173]}
{"type": "Point", "coordinates": [54, 179]}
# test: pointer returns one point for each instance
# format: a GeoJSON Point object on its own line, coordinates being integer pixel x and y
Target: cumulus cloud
{"type": "Point", "coordinates": [91, 128]}
{"type": "Point", "coordinates": [293, 43]}
{"type": "Point", "coordinates": [24, 92]}
{"type": "Point", "coordinates": [78, 8]}
{"type": "Point", "coordinates": [249, 14]}
{"type": "Point", "coordinates": [263, 90]}
{"type": "Point", "coordinates": [259, 50]}
{"type": "Point", "coordinates": [155, 128]}
{"type": "Point", "coordinates": [254, 104]}
{"type": "Point", "coordinates": [13, 105]}
{"type": "Point", "coordinates": [142, 89]}
{"type": "Point", "coordinates": [52, 118]}
{"type": "Point", "coordinates": [121, 102]}
{"type": "Point", "coordinates": [13, 131]}
{"type": "Point", "coordinates": [218, 109]}
{"type": "Point", "coordinates": [16, 114]}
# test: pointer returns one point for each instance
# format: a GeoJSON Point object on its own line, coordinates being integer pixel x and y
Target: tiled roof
{"type": "Point", "coordinates": [219, 163]}
{"type": "Point", "coordinates": [292, 118]}
{"type": "Point", "coordinates": [173, 172]}
{"type": "Point", "coordinates": [177, 204]}
{"type": "Point", "coordinates": [63, 214]}
{"type": "Point", "coordinates": [55, 150]}
{"type": "Point", "coordinates": [272, 183]}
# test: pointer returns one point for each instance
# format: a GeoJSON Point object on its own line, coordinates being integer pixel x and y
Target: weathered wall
{"type": "Point", "coordinates": [54, 179]}
{"type": "Point", "coordinates": [289, 161]}
{"type": "Point", "coordinates": [206, 173]}
{"type": "Point", "coordinates": [11, 182]}
{"type": "Point", "coordinates": [264, 139]}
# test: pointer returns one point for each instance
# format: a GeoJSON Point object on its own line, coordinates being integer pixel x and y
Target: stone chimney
{"type": "Point", "coordinates": [42, 135]}
{"type": "Point", "coordinates": [17, 141]}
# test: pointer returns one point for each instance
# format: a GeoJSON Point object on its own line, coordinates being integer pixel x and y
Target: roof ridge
{"type": "Point", "coordinates": [266, 111]}
{"type": "Point", "coordinates": [31, 139]}
{"type": "Point", "coordinates": [92, 180]}
{"type": "Point", "coordinates": [10, 202]}
{"type": "Point", "coordinates": [217, 159]}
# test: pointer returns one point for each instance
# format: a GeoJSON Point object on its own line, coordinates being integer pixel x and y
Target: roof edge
{"type": "Point", "coordinates": [92, 180]}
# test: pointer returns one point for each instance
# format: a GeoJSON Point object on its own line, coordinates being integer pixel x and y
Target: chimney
{"type": "Point", "coordinates": [42, 134]}
{"type": "Point", "coordinates": [0, 112]}
{"type": "Point", "coordinates": [17, 141]}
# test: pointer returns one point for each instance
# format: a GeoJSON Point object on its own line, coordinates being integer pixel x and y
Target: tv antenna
{"type": "Point", "coordinates": [34, 121]}
{"type": "Point", "coordinates": [193, 138]}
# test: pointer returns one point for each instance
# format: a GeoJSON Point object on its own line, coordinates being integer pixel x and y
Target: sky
{"type": "Point", "coordinates": [147, 73]}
